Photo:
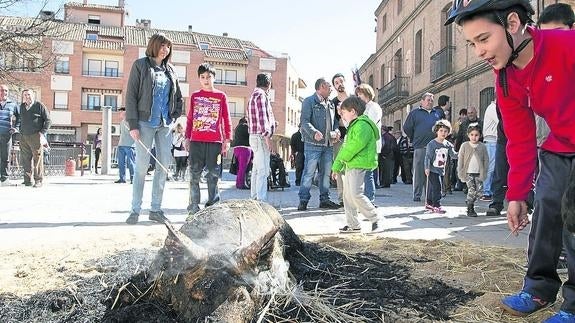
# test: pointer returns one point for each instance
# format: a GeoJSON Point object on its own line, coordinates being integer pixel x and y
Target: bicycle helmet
{"type": "Point", "coordinates": [465, 8]}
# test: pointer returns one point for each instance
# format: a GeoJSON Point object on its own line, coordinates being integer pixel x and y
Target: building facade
{"type": "Point", "coordinates": [416, 53]}
{"type": "Point", "coordinates": [92, 52]}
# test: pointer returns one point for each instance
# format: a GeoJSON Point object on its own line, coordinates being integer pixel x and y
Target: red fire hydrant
{"type": "Point", "coordinates": [70, 169]}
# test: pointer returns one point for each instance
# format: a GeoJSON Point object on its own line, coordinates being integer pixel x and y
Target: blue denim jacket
{"type": "Point", "coordinates": [312, 119]}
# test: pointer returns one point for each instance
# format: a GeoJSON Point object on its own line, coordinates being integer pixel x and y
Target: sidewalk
{"type": "Point", "coordinates": [67, 208]}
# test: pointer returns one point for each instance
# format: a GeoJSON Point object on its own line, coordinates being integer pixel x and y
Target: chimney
{"type": "Point", "coordinates": [225, 34]}
{"type": "Point", "coordinates": [47, 15]}
{"type": "Point", "coordinates": [144, 23]}
{"type": "Point", "coordinates": [121, 3]}
{"type": "Point", "coordinates": [189, 28]}
{"type": "Point", "coordinates": [85, 2]}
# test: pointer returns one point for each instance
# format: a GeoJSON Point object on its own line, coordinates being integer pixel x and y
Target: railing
{"type": "Point", "coordinates": [103, 73]}
{"type": "Point", "coordinates": [54, 159]}
{"type": "Point", "coordinates": [228, 82]}
{"type": "Point", "coordinates": [96, 108]}
{"type": "Point", "coordinates": [395, 90]}
{"type": "Point", "coordinates": [442, 63]}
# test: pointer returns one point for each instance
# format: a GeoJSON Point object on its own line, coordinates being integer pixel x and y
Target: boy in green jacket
{"type": "Point", "coordinates": [356, 156]}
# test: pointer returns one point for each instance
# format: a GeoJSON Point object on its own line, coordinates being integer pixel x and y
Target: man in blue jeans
{"type": "Point", "coordinates": [319, 131]}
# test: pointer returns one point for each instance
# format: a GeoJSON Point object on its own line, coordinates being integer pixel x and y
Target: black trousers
{"type": "Point", "coordinates": [434, 189]}
{"type": "Point", "coordinates": [406, 165]}
{"type": "Point", "coordinates": [499, 181]}
{"type": "Point", "coordinates": [547, 237]}
{"type": "Point", "coordinates": [299, 163]}
{"type": "Point", "coordinates": [5, 146]}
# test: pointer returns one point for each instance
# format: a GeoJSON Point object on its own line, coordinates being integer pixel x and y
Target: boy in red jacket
{"type": "Point", "coordinates": [534, 70]}
{"type": "Point", "coordinates": [208, 131]}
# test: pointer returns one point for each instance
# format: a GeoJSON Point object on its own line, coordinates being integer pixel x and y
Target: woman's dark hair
{"type": "Point", "coordinates": [155, 43]}
{"type": "Point", "coordinates": [353, 103]}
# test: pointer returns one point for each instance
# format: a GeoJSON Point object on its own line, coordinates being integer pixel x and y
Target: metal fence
{"type": "Point", "coordinates": [54, 159]}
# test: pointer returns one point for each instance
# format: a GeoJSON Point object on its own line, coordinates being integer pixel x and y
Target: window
{"type": "Point", "coordinates": [231, 77]}
{"type": "Point", "coordinates": [91, 36]}
{"type": "Point", "coordinates": [93, 102]}
{"type": "Point", "coordinates": [418, 52]}
{"type": "Point", "coordinates": [218, 76]}
{"type": "Point", "coordinates": [93, 19]}
{"type": "Point", "coordinates": [486, 96]}
{"type": "Point", "coordinates": [370, 80]}
{"type": "Point", "coordinates": [61, 100]}
{"type": "Point", "coordinates": [383, 23]}
{"type": "Point", "coordinates": [233, 108]}
{"type": "Point", "coordinates": [62, 65]}
{"type": "Point", "coordinates": [94, 67]}
{"type": "Point", "coordinates": [111, 69]}
{"type": "Point", "coordinates": [181, 72]}
{"type": "Point", "coordinates": [382, 72]}
{"type": "Point", "coordinates": [204, 46]}
{"type": "Point", "coordinates": [399, 6]}
{"type": "Point", "coordinates": [111, 101]}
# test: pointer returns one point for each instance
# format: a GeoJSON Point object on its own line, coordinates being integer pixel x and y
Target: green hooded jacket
{"type": "Point", "coordinates": [358, 150]}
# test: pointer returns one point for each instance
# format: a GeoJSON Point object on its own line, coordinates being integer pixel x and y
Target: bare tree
{"type": "Point", "coordinates": [22, 41]}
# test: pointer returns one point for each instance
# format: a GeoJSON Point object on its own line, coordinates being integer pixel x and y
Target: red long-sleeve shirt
{"type": "Point", "coordinates": [545, 87]}
{"type": "Point", "coordinates": [208, 117]}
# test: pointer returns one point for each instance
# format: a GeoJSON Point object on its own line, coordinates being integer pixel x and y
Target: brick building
{"type": "Point", "coordinates": [93, 51]}
{"type": "Point", "coordinates": [416, 53]}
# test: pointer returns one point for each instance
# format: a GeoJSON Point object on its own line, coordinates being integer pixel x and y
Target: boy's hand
{"type": "Point", "coordinates": [517, 218]}
{"type": "Point", "coordinates": [225, 147]}
{"type": "Point", "coordinates": [427, 172]}
{"type": "Point", "coordinates": [334, 175]}
{"type": "Point", "coordinates": [135, 134]}
{"type": "Point", "coordinates": [318, 136]}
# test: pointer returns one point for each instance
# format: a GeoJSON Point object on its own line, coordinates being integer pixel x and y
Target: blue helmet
{"type": "Point", "coordinates": [465, 8]}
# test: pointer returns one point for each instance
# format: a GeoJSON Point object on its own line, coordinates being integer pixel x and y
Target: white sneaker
{"type": "Point", "coordinates": [5, 183]}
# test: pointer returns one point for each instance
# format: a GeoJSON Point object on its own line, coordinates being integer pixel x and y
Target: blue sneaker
{"type": "Point", "coordinates": [523, 304]}
{"type": "Point", "coordinates": [561, 317]}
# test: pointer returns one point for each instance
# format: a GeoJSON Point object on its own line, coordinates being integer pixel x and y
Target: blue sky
{"type": "Point", "coordinates": [321, 37]}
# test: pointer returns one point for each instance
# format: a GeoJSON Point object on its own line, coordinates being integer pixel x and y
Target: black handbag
{"type": "Point", "coordinates": [234, 165]}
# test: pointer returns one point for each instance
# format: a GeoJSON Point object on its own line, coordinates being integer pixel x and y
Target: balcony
{"type": "Point", "coordinates": [112, 73]}
{"type": "Point", "coordinates": [96, 108]}
{"type": "Point", "coordinates": [231, 82]}
{"type": "Point", "coordinates": [393, 91]}
{"type": "Point", "coordinates": [442, 63]}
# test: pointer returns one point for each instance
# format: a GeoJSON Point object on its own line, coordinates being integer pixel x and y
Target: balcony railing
{"type": "Point", "coordinates": [231, 82]}
{"type": "Point", "coordinates": [96, 108]}
{"type": "Point", "coordinates": [102, 73]}
{"type": "Point", "coordinates": [442, 63]}
{"type": "Point", "coordinates": [395, 90]}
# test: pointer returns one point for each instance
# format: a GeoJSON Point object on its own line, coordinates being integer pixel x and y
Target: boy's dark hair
{"type": "Point", "coordinates": [443, 99]}
{"type": "Point", "coordinates": [319, 82]}
{"type": "Point", "coordinates": [559, 12]}
{"type": "Point", "coordinates": [353, 103]}
{"type": "Point", "coordinates": [474, 126]}
{"type": "Point", "coordinates": [263, 80]}
{"type": "Point", "coordinates": [154, 44]}
{"type": "Point", "coordinates": [336, 76]}
{"type": "Point", "coordinates": [206, 67]}
{"type": "Point", "coordinates": [441, 124]}
{"type": "Point", "coordinates": [463, 112]}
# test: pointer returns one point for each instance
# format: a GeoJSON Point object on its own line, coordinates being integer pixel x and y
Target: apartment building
{"type": "Point", "coordinates": [416, 53]}
{"type": "Point", "coordinates": [93, 51]}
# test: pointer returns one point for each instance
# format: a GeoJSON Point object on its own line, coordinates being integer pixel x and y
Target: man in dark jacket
{"type": "Point", "coordinates": [297, 154]}
{"type": "Point", "coordinates": [418, 127]}
{"type": "Point", "coordinates": [33, 128]}
{"type": "Point", "coordinates": [9, 119]}
{"type": "Point", "coordinates": [389, 145]}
